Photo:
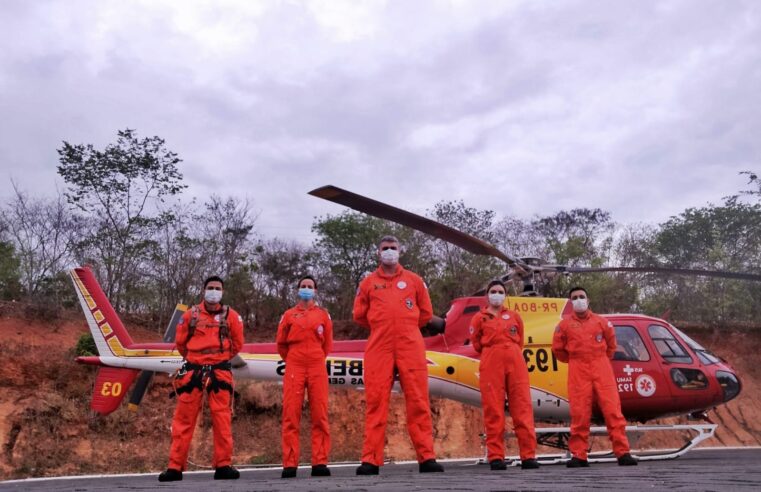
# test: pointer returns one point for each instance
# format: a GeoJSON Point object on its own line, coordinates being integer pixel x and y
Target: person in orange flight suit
{"type": "Point", "coordinates": [497, 334]}
{"type": "Point", "coordinates": [304, 339]}
{"type": "Point", "coordinates": [587, 342]}
{"type": "Point", "coordinates": [394, 304]}
{"type": "Point", "coordinates": [208, 336]}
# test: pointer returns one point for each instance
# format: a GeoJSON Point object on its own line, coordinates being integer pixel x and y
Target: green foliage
{"type": "Point", "coordinates": [578, 236]}
{"type": "Point", "coordinates": [85, 345]}
{"type": "Point", "coordinates": [346, 248]}
{"type": "Point", "coordinates": [117, 187]}
{"type": "Point", "coordinates": [10, 285]}
{"type": "Point", "coordinates": [122, 176]}
{"type": "Point", "coordinates": [461, 273]}
{"type": "Point", "coordinates": [724, 237]}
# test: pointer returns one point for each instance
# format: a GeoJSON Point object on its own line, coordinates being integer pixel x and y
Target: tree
{"type": "Point", "coordinates": [10, 286]}
{"type": "Point", "coordinates": [724, 237]}
{"type": "Point", "coordinates": [346, 248]}
{"type": "Point", "coordinates": [462, 273]}
{"type": "Point", "coordinates": [45, 233]}
{"type": "Point", "coordinates": [119, 187]}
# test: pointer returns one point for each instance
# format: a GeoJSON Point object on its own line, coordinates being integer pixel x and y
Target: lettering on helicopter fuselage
{"type": "Point", "coordinates": [540, 359]}
{"type": "Point", "coordinates": [535, 307]}
{"type": "Point", "coordinates": [337, 370]}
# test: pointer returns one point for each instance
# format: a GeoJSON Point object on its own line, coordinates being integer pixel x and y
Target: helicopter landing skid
{"type": "Point", "coordinates": [557, 437]}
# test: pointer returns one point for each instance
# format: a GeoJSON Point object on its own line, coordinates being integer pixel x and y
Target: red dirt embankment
{"type": "Point", "coordinates": [46, 427]}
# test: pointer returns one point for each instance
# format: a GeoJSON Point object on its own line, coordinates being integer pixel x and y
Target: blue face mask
{"type": "Point", "coordinates": [306, 294]}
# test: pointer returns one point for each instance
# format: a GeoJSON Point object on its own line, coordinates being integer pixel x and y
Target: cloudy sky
{"type": "Point", "coordinates": [639, 107]}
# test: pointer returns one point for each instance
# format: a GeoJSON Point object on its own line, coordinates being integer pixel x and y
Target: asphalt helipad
{"type": "Point", "coordinates": [701, 469]}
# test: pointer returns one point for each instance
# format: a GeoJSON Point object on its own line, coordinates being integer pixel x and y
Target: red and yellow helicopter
{"type": "Point", "coordinates": [660, 371]}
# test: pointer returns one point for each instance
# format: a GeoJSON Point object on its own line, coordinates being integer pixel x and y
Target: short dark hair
{"type": "Point", "coordinates": [493, 283]}
{"type": "Point", "coordinates": [307, 277]}
{"type": "Point", "coordinates": [574, 289]}
{"type": "Point", "coordinates": [213, 278]}
{"type": "Point", "coordinates": [388, 239]}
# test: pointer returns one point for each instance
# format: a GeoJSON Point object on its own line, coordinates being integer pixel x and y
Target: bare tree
{"type": "Point", "coordinates": [44, 233]}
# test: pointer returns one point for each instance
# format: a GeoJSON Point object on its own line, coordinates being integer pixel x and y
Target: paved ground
{"type": "Point", "coordinates": [719, 470]}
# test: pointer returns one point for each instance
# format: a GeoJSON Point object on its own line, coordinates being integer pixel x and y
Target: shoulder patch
{"type": "Point", "coordinates": [471, 330]}
{"type": "Point", "coordinates": [240, 318]}
{"type": "Point", "coordinates": [610, 325]}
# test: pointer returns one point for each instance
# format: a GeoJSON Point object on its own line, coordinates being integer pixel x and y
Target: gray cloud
{"type": "Point", "coordinates": [641, 108]}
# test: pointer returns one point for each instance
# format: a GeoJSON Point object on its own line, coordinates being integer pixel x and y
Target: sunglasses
{"type": "Point", "coordinates": [384, 248]}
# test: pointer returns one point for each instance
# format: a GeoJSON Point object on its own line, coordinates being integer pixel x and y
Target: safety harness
{"type": "Point", "coordinates": [224, 329]}
{"type": "Point", "coordinates": [202, 374]}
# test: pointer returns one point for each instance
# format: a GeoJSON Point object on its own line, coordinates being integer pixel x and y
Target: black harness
{"type": "Point", "coordinates": [202, 374]}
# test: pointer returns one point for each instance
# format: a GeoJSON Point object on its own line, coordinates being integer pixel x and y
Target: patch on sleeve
{"type": "Point", "coordinates": [471, 330]}
{"type": "Point", "coordinates": [240, 318]}
{"type": "Point", "coordinates": [610, 325]}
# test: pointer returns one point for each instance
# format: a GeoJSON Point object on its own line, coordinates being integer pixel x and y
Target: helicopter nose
{"type": "Point", "coordinates": [730, 384]}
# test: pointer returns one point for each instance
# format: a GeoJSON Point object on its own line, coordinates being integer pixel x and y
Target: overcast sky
{"type": "Point", "coordinates": [641, 108]}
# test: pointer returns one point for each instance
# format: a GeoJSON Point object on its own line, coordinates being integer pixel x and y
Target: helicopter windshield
{"type": "Point", "coordinates": [704, 355]}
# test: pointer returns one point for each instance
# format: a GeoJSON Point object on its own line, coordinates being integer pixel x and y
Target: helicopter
{"type": "Point", "coordinates": [659, 370]}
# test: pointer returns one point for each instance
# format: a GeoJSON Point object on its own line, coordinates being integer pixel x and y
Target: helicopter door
{"type": "Point", "coordinates": [689, 382]}
{"type": "Point", "coordinates": [638, 374]}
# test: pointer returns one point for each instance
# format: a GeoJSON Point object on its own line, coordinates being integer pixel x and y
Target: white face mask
{"type": "Point", "coordinates": [389, 256]}
{"type": "Point", "coordinates": [212, 296]}
{"type": "Point", "coordinates": [580, 305]}
{"type": "Point", "coordinates": [496, 300]}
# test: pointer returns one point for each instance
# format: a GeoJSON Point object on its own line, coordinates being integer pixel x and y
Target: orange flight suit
{"type": "Point", "coordinates": [499, 339]}
{"type": "Point", "coordinates": [304, 339]}
{"type": "Point", "coordinates": [395, 307]}
{"type": "Point", "coordinates": [202, 351]}
{"type": "Point", "coordinates": [587, 343]}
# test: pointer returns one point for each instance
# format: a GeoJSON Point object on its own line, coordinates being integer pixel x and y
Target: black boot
{"type": "Point", "coordinates": [529, 464]}
{"type": "Point", "coordinates": [320, 471]}
{"type": "Point", "coordinates": [289, 472]}
{"type": "Point", "coordinates": [577, 463]}
{"type": "Point", "coordinates": [367, 469]}
{"type": "Point", "coordinates": [627, 460]}
{"type": "Point", "coordinates": [170, 475]}
{"type": "Point", "coordinates": [226, 473]}
{"type": "Point", "coordinates": [498, 465]}
{"type": "Point", "coordinates": [430, 466]}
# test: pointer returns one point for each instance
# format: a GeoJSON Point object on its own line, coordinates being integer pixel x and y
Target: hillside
{"type": "Point", "coordinates": [46, 427]}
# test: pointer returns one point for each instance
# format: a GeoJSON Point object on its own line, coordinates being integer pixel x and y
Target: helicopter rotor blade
{"type": "Point", "coordinates": [676, 271]}
{"type": "Point", "coordinates": [383, 211]}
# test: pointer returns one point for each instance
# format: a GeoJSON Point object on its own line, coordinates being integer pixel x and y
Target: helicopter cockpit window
{"type": "Point", "coordinates": [629, 345]}
{"type": "Point", "coordinates": [689, 378]}
{"type": "Point", "coordinates": [704, 355]}
{"type": "Point", "coordinates": [667, 345]}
